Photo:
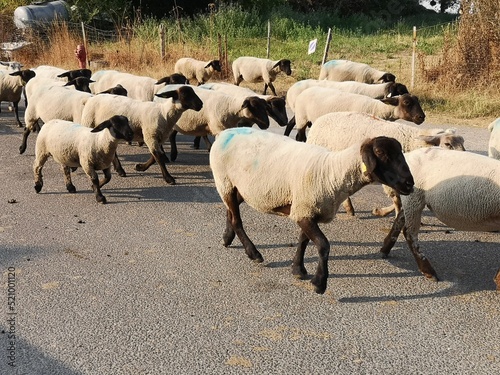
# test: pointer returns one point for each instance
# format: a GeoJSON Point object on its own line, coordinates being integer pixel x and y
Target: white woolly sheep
{"type": "Point", "coordinates": [494, 142]}
{"type": "Point", "coordinates": [201, 71]}
{"type": "Point", "coordinates": [462, 189]}
{"type": "Point", "coordinates": [317, 101]}
{"type": "Point", "coordinates": [220, 111]}
{"type": "Point", "coordinates": [50, 99]}
{"type": "Point", "coordinates": [338, 130]}
{"type": "Point", "coordinates": [152, 122]}
{"type": "Point", "coordinates": [49, 71]}
{"type": "Point", "coordinates": [375, 91]}
{"type": "Point", "coordinates": [276, 105]}
{"type": "Point", "coordinates": [307, 183]}
{"type": "Point", "coordinates": [253, 69]}
{"type": "Point", "coordinates": [73, 145]}
{"type": "Point", "coordinates": [345, 70]}
{"type": "Point", "coordinates": [138, 87]}
{"type": "Point", "coordinates": [11, 88]}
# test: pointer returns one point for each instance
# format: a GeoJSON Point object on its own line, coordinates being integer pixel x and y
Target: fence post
{"type": "Point", "coordinates": [85, 45]}
{"type": "Point", "coordinates": [327, 46]}
{"type": "Point", "coordinates": [413, 58]}
{"type": "Point", "coordinates": [268, 38]}
{"type": "Point", "coordinates": [162, 41]}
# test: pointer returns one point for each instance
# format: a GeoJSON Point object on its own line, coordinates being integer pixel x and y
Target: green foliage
{"type": "Point", "coordinates": [7, 7]}
{"type": "Point", "coordinates": [89, 11]}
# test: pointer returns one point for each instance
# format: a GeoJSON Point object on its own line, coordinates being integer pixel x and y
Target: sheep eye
{"type": "Point", "coordinates": [406, 103]}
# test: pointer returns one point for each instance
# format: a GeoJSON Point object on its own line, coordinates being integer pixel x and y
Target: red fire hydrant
{"type": "Point", "coordinates": [81, 55]}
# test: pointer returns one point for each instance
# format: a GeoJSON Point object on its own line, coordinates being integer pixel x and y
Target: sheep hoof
{"type": "Point", "coordinates": [22, 148]}
{"type": "Point", "coordinates": [121, 173]}
{"type": "Point", "coordinates": [38, 187]}
{"type": "Point", "coordinates": [319, 285]}
{"type": "Point", "coordinates": [431, 277]}
{"type": "Point", "coordinates": [101, 199]}
{"type": "Point", "coordinates": [496, 279]}
{"type": "Point", "coordinates": [299, 272]}
{"type": "Point", "coordinates": [71, 188]}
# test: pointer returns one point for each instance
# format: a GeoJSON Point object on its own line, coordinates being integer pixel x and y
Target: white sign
{"type": "Point", "coordinates": [312, 46]}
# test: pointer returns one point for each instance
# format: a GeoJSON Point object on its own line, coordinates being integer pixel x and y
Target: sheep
{"type": "Point", "coordinates": [72, 74]}
{"type": "Point", "coordinates": [338, 130]}
{"type": "Point", "coordinates": [201, 71]}
{"type": "Point", "coordinates": [138, 87]}
{"type": "Point", "coordinates": [253, 69]}
{"type": "Point", "coordinates": [48, 100]}
{"type": "Point", "coordinates": [73, 145]}
{"type": "Point", "coordinates": [307, 183]}
{"type": "Point", "coordinates": [276, 105]}
{"type": "Point", "coordinates": [375, 91]}
{"type": "Point", "coordinates": [220, 111]}
{"type": "Point", "coordinates": [345, 70]}
{"type": "Point", "coordinates": [152, 122]}
{"type": "Point", "coordinates": [11, 88]}
{"type": "Point", "coordinates": [317, 101]}
{"type": "Point", "coordinates": [12, 66]}
{"type": "Point", "coordinates": [49, 71]}
{"type": "Point", "coordinates": [462, 189]}
{"type": "Point", "coordinates": [494, 142]}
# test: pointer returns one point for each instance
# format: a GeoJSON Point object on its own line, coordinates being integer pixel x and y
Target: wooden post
{"type": "Point", "coordinates": [268, 39]}
{"type": "Point", "coordinates": [85, 45]}
{"type": "Point", "coordinates": [413, 58]}
{"type": "Point", "coordinates": [327, 46]}
{"type": "Point", "coordinates": [162, 41]}
{"type": "Point", "coordinates": [219, 45]}
{"type": "Point", "coordinates": [226, 61]}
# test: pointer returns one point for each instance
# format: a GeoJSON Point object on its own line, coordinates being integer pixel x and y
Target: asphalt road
{"type": "Point", "coordinates": [143, 285]}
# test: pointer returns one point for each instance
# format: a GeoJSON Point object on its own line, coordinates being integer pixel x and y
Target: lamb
{"type": "Point", "coordinates": [138, 87]}
{"type": "Point", "coordinates": [253, 69]}
{"type": "Point", "coordinates": [248, 164]}
{"type": "Point", "coordinates": [73, 145]}
{"type": "Point", "coordinates": [152, 122]}
{"type": "Point", "coordinates": [201, 71]}
{"type": "Point", "coordinates": [220, 111]}
{"type": "Point", "coordinates": [375, 91]}
{"type": "Point", "coordinates": [345, 70]}
{"type": "Point", "coordinates": [338, 130]}
{"type": "Point", "coordinates": [317, 101]}
{"type": "Point", "coordinates": [462, 189]}
{"type": "Point", "coordinates": [494, 142]}
{"type": "Point", "coordinates": [11, 88]}
{"type": "Point", "coordinates": [50, 99]}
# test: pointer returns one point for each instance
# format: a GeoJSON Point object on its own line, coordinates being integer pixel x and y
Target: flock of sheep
{"type": "Point", "coordinates": [353, 141]}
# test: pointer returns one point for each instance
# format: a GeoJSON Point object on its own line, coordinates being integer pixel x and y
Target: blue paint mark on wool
{"type": "Point", "coordinates": [334, 62]}
{"type": "Point", "coordinates": [228, 135]}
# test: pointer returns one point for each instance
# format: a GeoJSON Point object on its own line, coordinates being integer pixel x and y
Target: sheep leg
{"type": "Point", "coordinates": [290, 126]}
{"type": "Point", "coordinates": [24, 142]}
{"type": "Point", "coordinates": [229, 233]}
{"type": "Point", "coordinates": [234, 218]}
{"type": "Point", "coordinates": [311, 229]}
{"type": "Point", "coordinates": [94, 178]}
{"type": "Point", "coordinates": [271, 86]}
{"type": "Point", "coordinates": [301, 134]}
{"type": "Point", "coordinates": [496, 279]}
{"type": "Point", "coordinates": [196, 142]}
{"type": "Point", "coordinates": [383, 211]}
{"type": "Point", "coordinates": [117, 166]}
{"type": "Point", "coordinates": [107, 177]}
{"type": "Point", "coordinates": [423, 263]}
{"type": "Point", "coordinates": [173, 145]}
{"type": "Point", "coordinates": [37, 171]}
{"type": "Point", "coordinates": [298, 268]}
{"type": "Point", "coordinates": [393, 234]}
{"type": "Point", "coordinates": [348, 206]}
{"type": "Point", "coordinates": [67, 179]}
{"type": "Point", "coordinates": [16, 111]}
{"type": "Point", "coordinates": [160, 157]}
{"type": "Point", "coordinates": [144, 166]}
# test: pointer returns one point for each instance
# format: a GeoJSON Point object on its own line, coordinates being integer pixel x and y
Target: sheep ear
{"type": "Point", "coordinates": [368, 157]}
{"type": "Point", "coordinates": [163, 80]}
{"type": "Point", "coordinates": [103, 125]}
{"type": "Point", "coordinates": [18, 73]}
{"type": "Point", "coordinates": [277, 64]}
{"type": "Point", "coordinates": [70, 83]}
{"type": "Point", "coordinates": [432, 140]}
{"type": "Point", "coordinates": [390, 100]}
{"type": "Point", "coordinates": [169, 94]}
{"type": "Point", "coordinates": [246, 104]}
{"type": "Point", "coordinates": [209, 64]}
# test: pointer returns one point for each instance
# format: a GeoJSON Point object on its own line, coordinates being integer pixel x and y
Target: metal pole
{"type": "Point", "coordinates": [413, 57]}
{"type": "Point", "coordinates": [268, 38]}
{"type": "Point", "coordinates": [327, 45]}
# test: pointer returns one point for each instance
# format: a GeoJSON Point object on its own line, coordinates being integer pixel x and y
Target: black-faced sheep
{"type": "Point", "coordinates": [307, 183]}
{"type": "Point", "coordinates": [345, 70]}
{"type": "Point", "coordinates": [73, 145]}
{"type": "Point", "coordinates": [201, 71]}
{"type": "Point", "coordinates": [11, 88]}
{"type": "Point", "coordinates": [462, 189]}
{"type": "Point", "coordinates": [72, 74]}
{"type": "Point", "coordinates": [253, 69]}
{"type": "Point", "coordinates": [318, 101]}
